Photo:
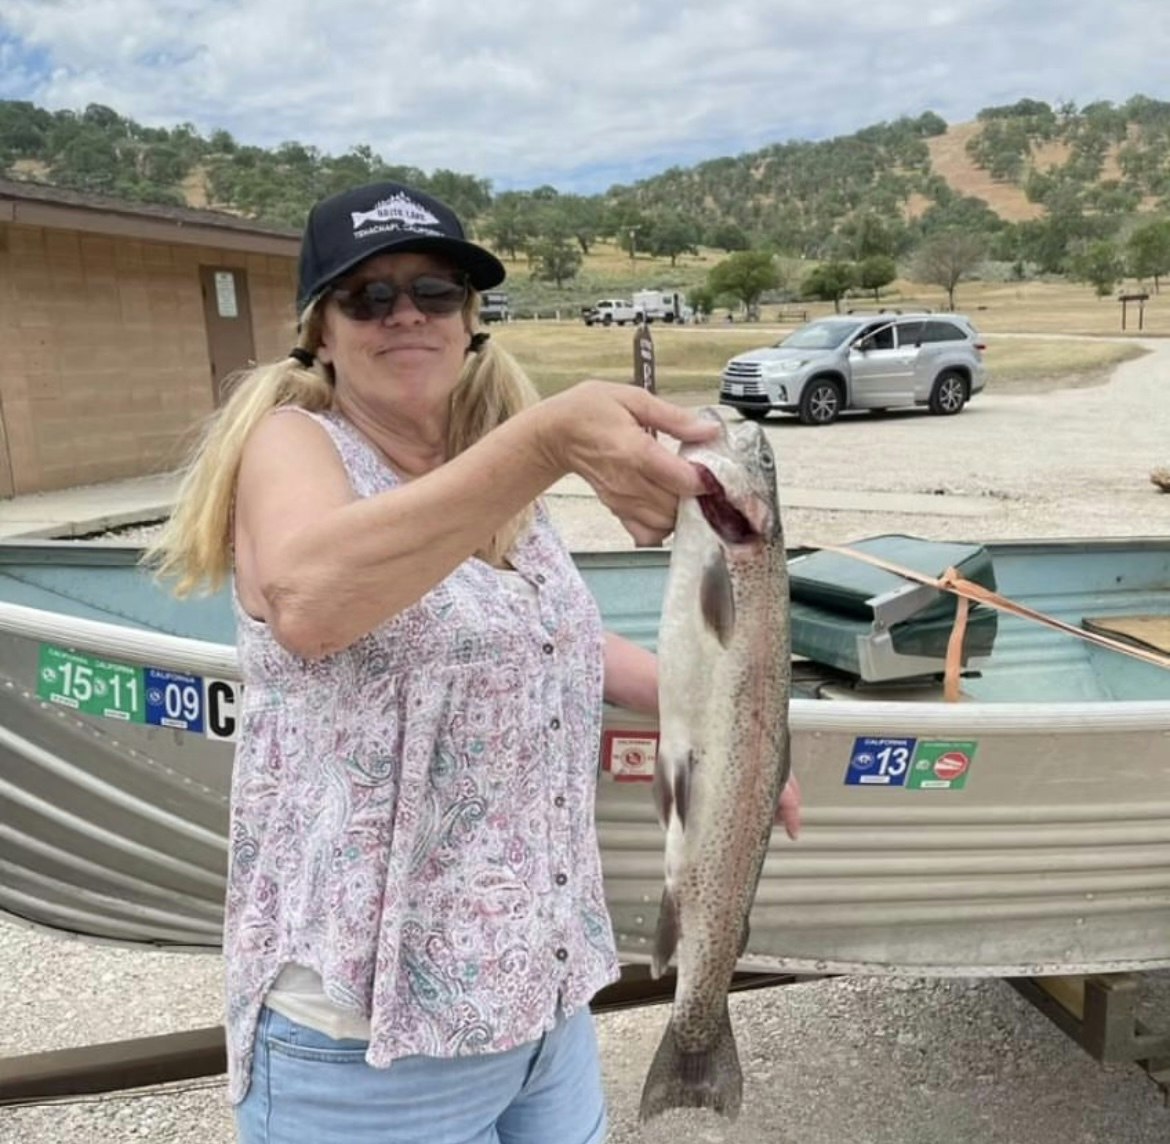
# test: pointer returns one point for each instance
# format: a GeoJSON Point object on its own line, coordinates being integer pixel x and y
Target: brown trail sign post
{"type": "Point", "coordinates": [1140, 299]}
{"type": "Point", "coordinates": [644, 361]}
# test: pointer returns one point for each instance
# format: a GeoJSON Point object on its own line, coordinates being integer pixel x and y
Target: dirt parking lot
{"type": "Point", "coordinates": [846, 1061]}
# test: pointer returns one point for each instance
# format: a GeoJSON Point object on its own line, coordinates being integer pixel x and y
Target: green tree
{"type": "Point", "coordinates": [104, 118]}
{"type": "Point", "coordinates": [222, 142]}
{"type": "Point", "coordinates": [162, 165]}
{"type": "Point", "coordinates": [876, 271]}
{"type": "Point", "coordinates": [1099, 263]}
{"type": "Point", "coordinates": [555, 259]}
{"type": "Point", "coordinates": [23, 131]}
{"type": "Point", "coordinates": [829, 282]}
{"type": "Point", "coordinates": [625, 220]}
{"type": "Point", "coordinates": [931, 123]}
{"type": "Point", "coordinates": [509, 226]}
{"type": "Point", "coordinates": [728, 236]}
{"type": "Point", "coordinates": [745, 275]}
{"type": "Point", "coordinates": [466, 195]}
{"type": "Point", "coordinates": [1148, 247]}
{"type": "Point", "coordinates": [88, 161]}
{"type": "Point", "coordinates": [702, 300]}
{"type": "Point", "coordinates": [548, 218]}
{"type": "Point", "coordinates": [673, 235]}
{"type": "Point", "coordinates": [946, 258]}
{"type": "Point", "coordinates": [864, 235]}
{"type": "Point", "coordinates": [583, 214]}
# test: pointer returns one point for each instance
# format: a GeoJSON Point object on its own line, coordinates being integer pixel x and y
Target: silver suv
{"type": "Point", "coordinates": [859, 361]}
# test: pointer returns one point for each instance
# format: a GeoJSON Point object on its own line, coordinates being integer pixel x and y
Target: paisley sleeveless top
{"type": "Point", "coordinates": [413, 816]}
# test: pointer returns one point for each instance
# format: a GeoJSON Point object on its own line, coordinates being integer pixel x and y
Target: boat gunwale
{"type": "Point", "coordinates": [201, 657]}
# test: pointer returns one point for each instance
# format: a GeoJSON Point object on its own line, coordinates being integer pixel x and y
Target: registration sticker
{"type": "Point", "coordinates": [941, 765]}
{"type": "Point", "coordinates": [174, 700]}
{"type": "Point", "coordinates": [629, 756]}
{"type": "Point", "coordinates": [90, 684]}
{"type": "Point", "coordinates": [131, 693]}
{"type": "Point", "coordinates": [879, 762]}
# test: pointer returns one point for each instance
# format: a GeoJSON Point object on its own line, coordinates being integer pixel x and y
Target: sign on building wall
{"type": "Point", "coordinates": [225, 294]}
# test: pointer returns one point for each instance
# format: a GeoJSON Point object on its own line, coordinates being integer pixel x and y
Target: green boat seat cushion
{"type": "Point", "coordinates": [831, 593]}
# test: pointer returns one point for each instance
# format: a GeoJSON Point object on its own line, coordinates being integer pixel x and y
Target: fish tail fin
{"type": "Point", "coordinates": [710, 1078]}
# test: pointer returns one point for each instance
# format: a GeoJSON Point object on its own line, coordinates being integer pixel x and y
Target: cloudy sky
{"type": "Point", "coordinates": [579, 95]}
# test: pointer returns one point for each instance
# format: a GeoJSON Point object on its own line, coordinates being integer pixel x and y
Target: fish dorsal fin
{"type": "Point", "coordinates": [716, 598]}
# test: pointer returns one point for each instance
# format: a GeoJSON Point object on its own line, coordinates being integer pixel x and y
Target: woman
{"type": "Point", "coordinates": [415, 888]}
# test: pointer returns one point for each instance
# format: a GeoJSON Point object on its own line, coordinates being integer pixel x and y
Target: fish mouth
{"type": "Point", "coordinates": [731, 524]}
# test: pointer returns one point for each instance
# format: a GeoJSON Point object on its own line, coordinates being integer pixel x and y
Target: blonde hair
{"type": "Point", "coordinates": [195, 545]}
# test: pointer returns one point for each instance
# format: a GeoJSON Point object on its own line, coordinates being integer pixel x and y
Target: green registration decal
{"type": "Point", "coordinates": [91, 685]}
{"type": "Point", "coordinates": [941, 765]}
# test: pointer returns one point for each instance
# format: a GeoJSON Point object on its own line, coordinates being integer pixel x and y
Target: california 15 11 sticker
{"type": "Point", "coordinates": [90, 684]}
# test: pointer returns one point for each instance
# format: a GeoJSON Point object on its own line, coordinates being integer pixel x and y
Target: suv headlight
{"type": "Point", "coordinates": [781, 368]}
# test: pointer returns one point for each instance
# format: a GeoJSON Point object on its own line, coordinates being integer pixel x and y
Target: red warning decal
{"type": "Point", "coordinates": [628, 756]}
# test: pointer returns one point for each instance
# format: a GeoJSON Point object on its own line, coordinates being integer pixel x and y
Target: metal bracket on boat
{"type": "Point", "coordinates": [900, 604]}
{"type": "Point", "coordinates": [1099, 1012]}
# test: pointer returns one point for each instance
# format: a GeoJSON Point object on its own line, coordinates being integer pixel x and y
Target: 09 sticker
{"type": "Point", "coordinates": [174, 700]}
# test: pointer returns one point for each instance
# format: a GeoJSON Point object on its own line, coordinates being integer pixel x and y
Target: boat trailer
{"type": "Point", "coordinates": [1098, 1012]}
{"type": "Point", "coordinates": [116, 1066]}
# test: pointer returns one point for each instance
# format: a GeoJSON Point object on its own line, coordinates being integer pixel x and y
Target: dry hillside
{"type": "Point", "coordinates": [949, 158]}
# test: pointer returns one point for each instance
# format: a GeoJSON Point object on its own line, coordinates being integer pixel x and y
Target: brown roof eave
{"type": "Point", "coordinates": [188, 227]}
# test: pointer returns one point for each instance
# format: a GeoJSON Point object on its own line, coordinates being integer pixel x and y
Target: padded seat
{"type": "Point", "coordinates": [879, 626]}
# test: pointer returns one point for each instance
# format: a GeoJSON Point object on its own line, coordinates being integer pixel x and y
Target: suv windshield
{"type": "Point", "coordinates": [826, 335]}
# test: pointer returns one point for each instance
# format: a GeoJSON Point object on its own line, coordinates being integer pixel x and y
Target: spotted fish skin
{"type": "Point", "coordinates": [723, 756]}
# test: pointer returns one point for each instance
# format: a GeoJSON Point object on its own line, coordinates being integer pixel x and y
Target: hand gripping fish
{"type": "Point", "coordinates": [723, 755]}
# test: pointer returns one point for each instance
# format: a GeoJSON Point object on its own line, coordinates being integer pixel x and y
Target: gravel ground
{"type": "Point", "coordinates": [844, 1061]}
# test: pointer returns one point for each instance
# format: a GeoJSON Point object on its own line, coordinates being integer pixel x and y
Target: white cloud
{"type": "Point", "coordinates": [526, 92]}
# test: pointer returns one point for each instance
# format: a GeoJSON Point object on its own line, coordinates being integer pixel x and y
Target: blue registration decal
{"type": "Point", "coordinates": [174, 700]}
{"type": "Point", "coordinates": [880, 762]}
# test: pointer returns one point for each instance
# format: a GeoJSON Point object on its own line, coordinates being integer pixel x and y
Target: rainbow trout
{"type": "Point", "coordinates": [723, 757]}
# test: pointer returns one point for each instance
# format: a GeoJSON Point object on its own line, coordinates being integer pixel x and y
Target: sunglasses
{"type": "Point", "coordinates": [374, 300]}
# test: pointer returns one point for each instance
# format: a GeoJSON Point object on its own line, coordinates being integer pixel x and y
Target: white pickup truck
{"type": "Point", "coordinates": [610, 312]}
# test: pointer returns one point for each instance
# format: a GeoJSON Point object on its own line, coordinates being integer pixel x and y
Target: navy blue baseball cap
{"type": "Point", "coordinates": [346, 229]}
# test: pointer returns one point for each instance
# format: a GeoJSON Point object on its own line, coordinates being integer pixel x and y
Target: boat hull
{"type": "Point", "coordinates": [1023, 839]}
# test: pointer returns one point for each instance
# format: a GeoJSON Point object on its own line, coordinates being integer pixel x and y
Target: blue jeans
{"type": "Point", "coordinates": [310, 1089]}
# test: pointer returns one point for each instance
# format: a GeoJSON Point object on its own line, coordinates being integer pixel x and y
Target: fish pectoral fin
{"type": "Point", "coordinates": [672, 788]}
{"type": "Point", "coordinates": [664, 790]}
{"type": "Point", "coordinates": [717, 599]}
{"type": "Point", "coordinates": [666, 939]}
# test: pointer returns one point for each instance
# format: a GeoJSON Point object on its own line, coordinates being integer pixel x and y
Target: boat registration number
{"type": "Point", "coordinates": [93, 685]}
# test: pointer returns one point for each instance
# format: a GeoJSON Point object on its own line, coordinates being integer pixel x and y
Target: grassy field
{"type": "Point", "coordinates": [688, 359]}
{"type": "Point", "coordinates": [560, 352]}
{"type": "Point", "coordinates": [1048, 307]}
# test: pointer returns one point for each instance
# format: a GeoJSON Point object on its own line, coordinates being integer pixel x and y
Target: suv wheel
{"type": "Point", "coordinates": [820, 402]}
{"type": "Point", "coordinates": [949, 394]}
